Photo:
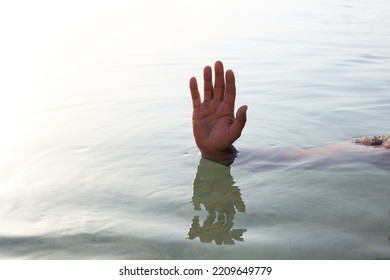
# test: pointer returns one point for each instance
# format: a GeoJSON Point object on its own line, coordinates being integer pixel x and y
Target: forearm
{"type": "Point", "coordinates": [311, 158]}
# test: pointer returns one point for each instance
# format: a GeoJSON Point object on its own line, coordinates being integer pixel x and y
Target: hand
{"type": "Point", "coordinates": [214, 126]}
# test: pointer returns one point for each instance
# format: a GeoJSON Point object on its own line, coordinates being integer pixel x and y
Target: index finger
{"type": "Point", "coordinates": [230, 93]}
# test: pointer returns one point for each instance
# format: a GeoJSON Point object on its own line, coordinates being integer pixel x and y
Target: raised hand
{"type": "Point", "coordinates": [214, 126]}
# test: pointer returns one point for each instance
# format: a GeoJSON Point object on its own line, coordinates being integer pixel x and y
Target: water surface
{"type": "Point", "coordinates": [97, 159]}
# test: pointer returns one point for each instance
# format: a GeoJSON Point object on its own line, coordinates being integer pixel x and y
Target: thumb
{"type": "Point", "coordinates": [239, 122]}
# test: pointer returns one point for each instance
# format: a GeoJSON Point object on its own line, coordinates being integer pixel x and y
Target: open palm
{"type": "Point", "coordinates": [214, 125]}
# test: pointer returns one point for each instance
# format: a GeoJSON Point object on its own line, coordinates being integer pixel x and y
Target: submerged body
{"type": "Point", "coordinates": [382, 141]}
{"type": "Point", "coordinates": [216, 127]}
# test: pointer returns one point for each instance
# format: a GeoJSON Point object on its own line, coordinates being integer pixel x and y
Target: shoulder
{"type": "Point", "coordinates": [376, 141]}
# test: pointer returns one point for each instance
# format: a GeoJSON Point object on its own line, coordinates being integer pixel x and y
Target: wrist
{"type": "Point", "coordinates": [225, 156]}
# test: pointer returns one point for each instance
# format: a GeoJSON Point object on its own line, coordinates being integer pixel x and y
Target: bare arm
{"type": "Point", "coordinates": [314, 158]}
{"type": "Point", "coordinates": [215, 128]}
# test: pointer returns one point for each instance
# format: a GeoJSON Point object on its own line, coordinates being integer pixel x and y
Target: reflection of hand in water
{"type": "Point", "coordinates": [214, 188]}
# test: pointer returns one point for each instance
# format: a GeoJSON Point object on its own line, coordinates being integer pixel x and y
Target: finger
{"type": "Point", "coordinates": [208, 83]}
{"type": "Point", "coordinates": [219, 86]}
{"type": "Point", "coordinates": [239, 123]}
{"type": "Point", "coordinates": [195, 93]}
{"type": "Point", "coordinates": [230, 94]}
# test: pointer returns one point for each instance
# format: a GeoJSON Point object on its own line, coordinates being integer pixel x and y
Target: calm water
{"type": "Point", "coordinates": [97, 158]}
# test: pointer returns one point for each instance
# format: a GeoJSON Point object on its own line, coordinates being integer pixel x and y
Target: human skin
{"type": "Point", "coordinates": [216, 128]}
{"type": "Point", "coordinates": [214, 125]}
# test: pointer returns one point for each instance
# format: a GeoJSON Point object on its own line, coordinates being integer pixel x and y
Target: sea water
{"type": "Point", "coordinates": [97, 157]}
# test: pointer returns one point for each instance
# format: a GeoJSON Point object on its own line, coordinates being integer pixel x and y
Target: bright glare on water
{"type": "Point", "coordinates": [97, 158]}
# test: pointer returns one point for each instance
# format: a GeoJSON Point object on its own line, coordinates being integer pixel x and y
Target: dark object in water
{"type": "Point", "coordinates": [382, 141]}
